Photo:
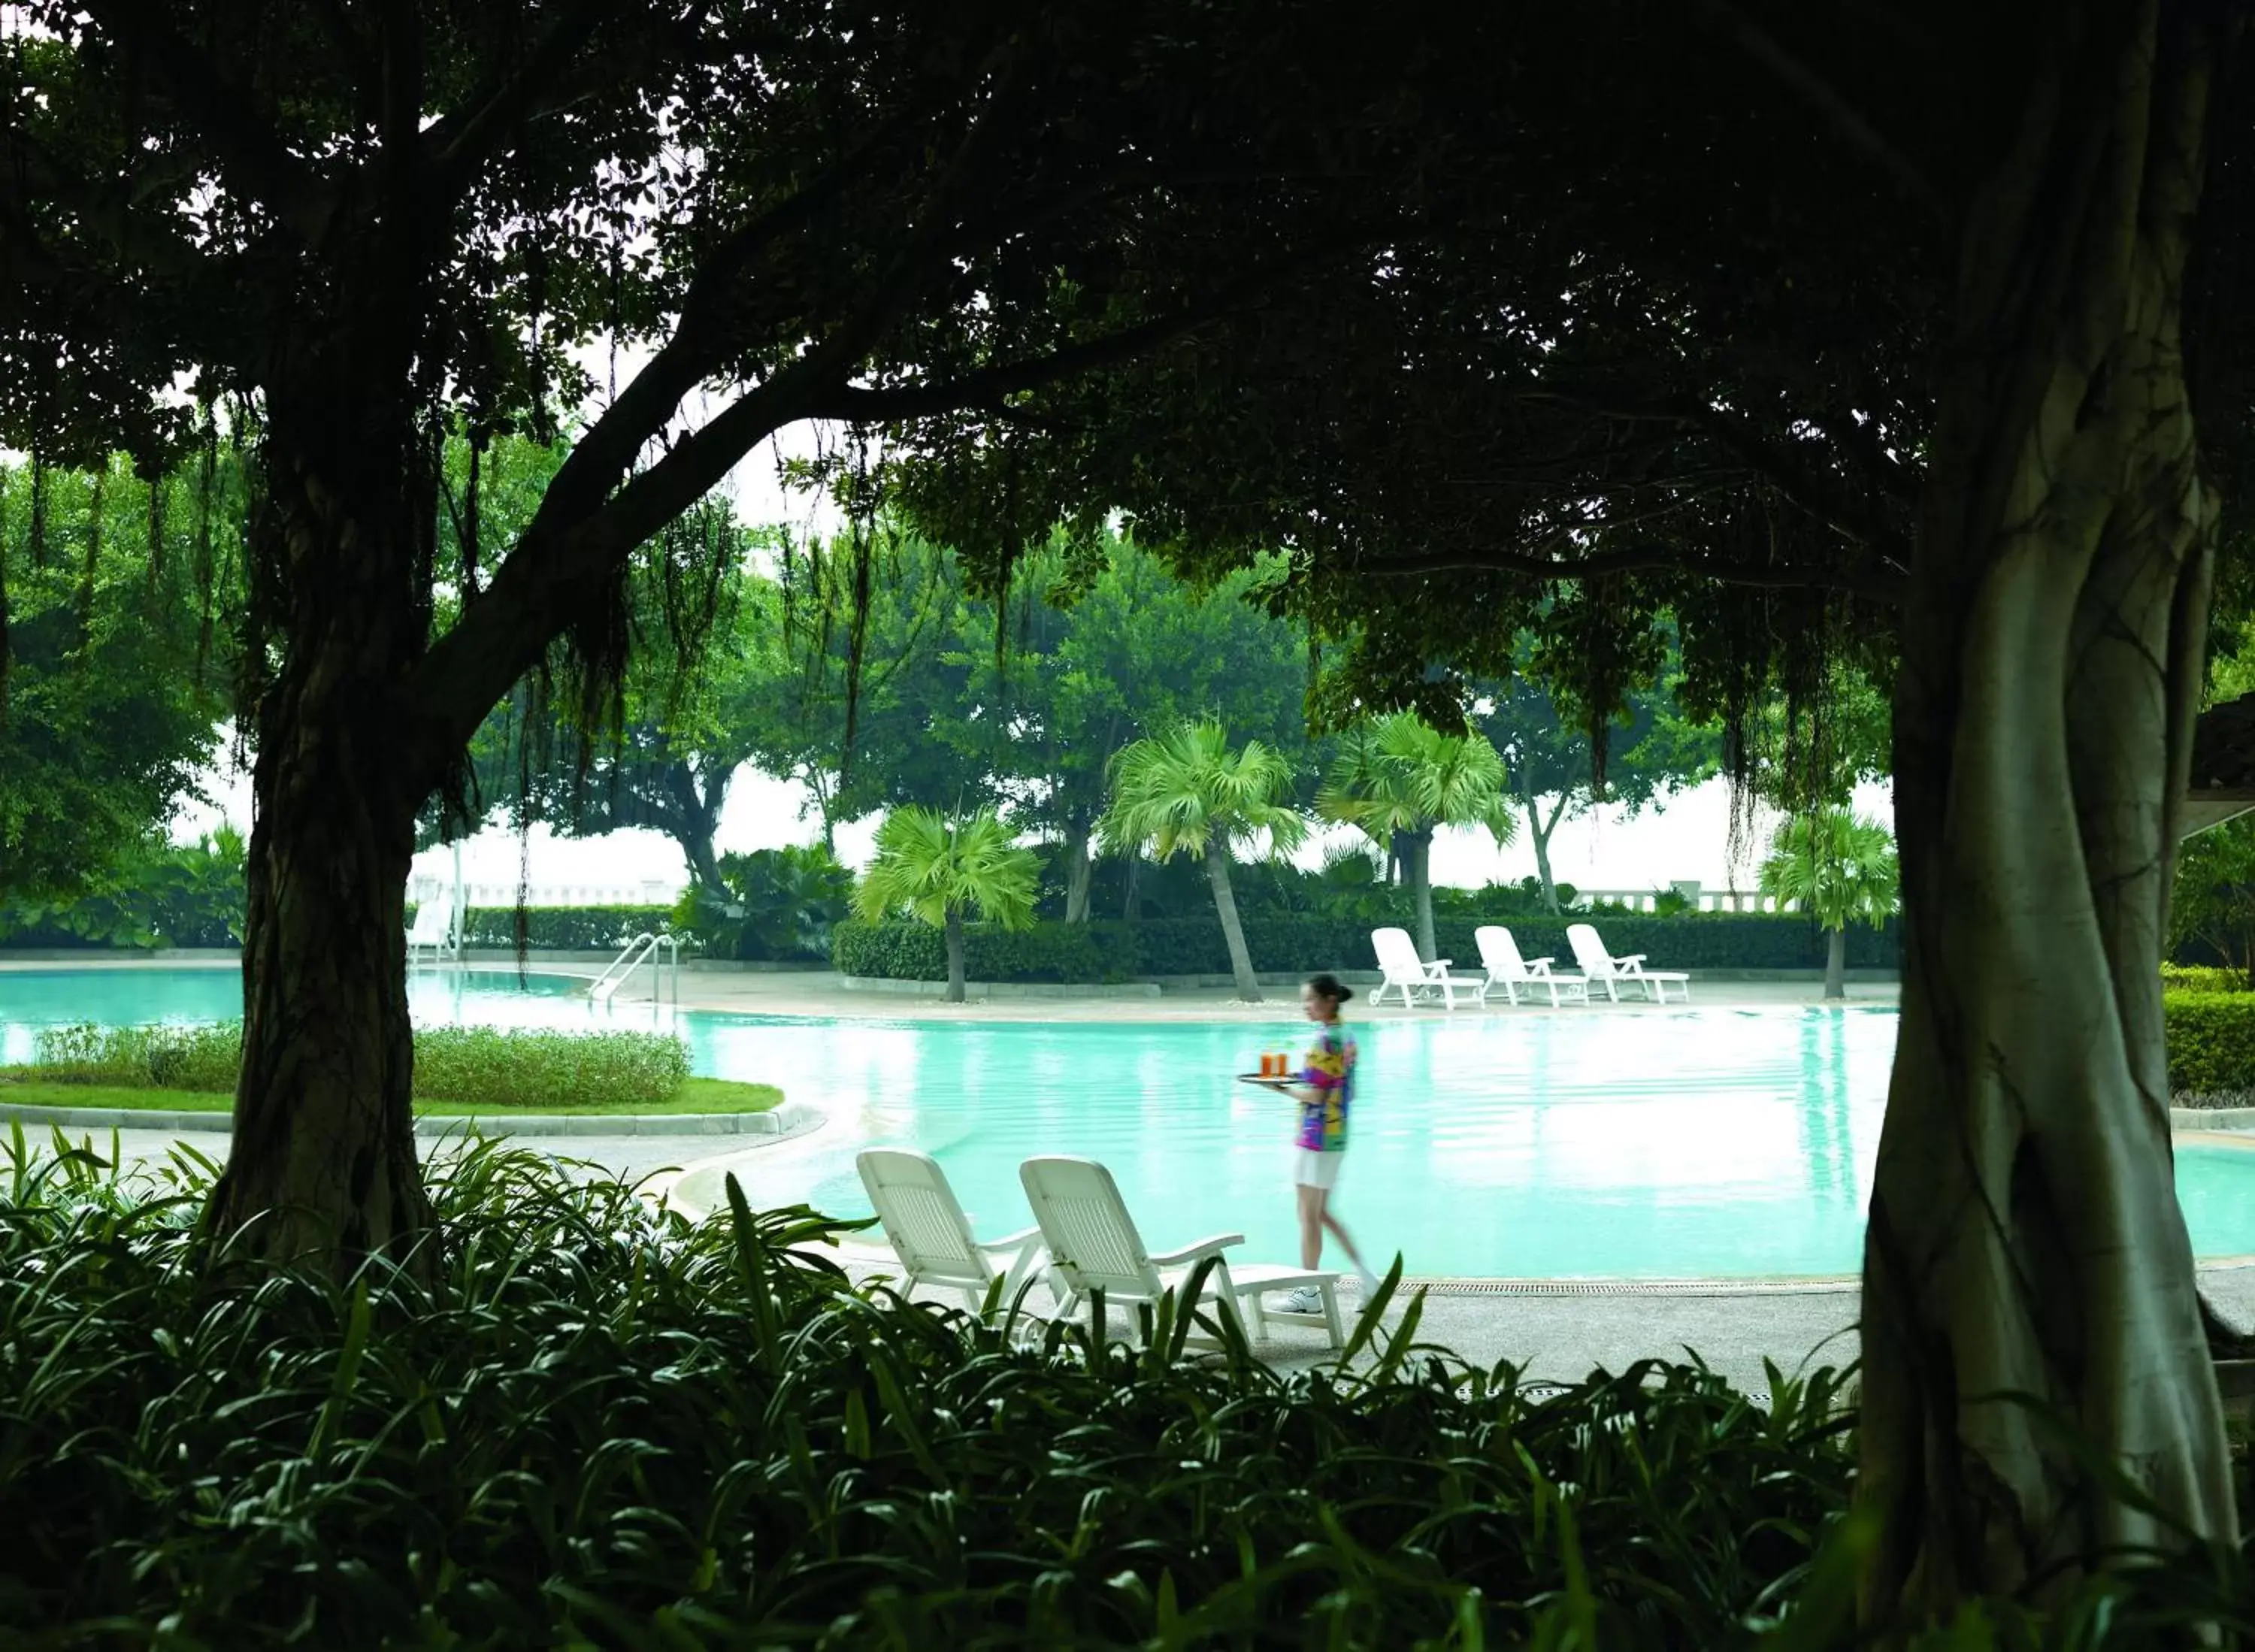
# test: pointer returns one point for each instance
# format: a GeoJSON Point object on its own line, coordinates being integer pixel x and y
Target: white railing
{"type": "Point", "coordinates": [643, 949]}
{"type": "Point", "coordinates": [1644, 900]}
{"type": "Point", "coordinates": [478, 892]}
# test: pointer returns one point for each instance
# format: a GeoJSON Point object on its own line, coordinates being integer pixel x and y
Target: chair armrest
{"type": "Point", "coordinates": [1629, 960]}
{"type": "Point", "coordinates": [1438, 965]}
{"type": "Point", "coordinates": [1011, 1241]}
{"type": "Point", "coordinates": [1213, 1246]}
{"type": "Point", "coordinates": [1538, 966]}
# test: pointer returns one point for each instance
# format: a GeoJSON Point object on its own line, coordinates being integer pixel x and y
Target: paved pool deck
{"type": "Point", "coordinates": [1555, 1331]}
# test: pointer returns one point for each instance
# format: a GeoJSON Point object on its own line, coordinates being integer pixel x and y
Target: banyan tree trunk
{"type": "Point", "coordinates": [2025, 1237]}
{"type": "Point", "coordinates": [321, 1168]}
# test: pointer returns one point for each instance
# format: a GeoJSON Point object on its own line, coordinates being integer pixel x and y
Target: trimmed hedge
{"type": "Point", "coordinates": [476, 1066]}
{"type": "Point", "coordinates": [2203, 978]}
{"type": "Point", "coordinates": [1113, 951]}
{"type": "Point", "coordinates": [578, 929]}
{"type": "Point", "coordinates": [2211, 1038]}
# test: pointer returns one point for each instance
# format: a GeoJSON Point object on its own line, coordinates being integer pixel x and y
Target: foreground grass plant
{"type": "Point", "coordinates": [608, 1427]}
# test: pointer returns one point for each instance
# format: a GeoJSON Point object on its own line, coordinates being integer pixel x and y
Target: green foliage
{"type": "Point", "coordinates": [772, 904]}
{"type": "Point", "coordinates": [2212, 903]}
{"type": "Point", "coordinates": [1836, 866]}
{"type": "Point", "coordinates": [477, 1066]}
{"type": "Point", "coordinates": [157, 894]}
{"type": "Point", "coordinates": [1399, 774]}
{"type": "Point", "coordinates": [660, 755]}
{"type": "Point", "coordinates": [2203, 978]}
{"type": "Point", "coordinates": [168, 1057]}
{"type": "Point", "coordinates": [625, 1431]}
{"type": "Point", "coordinates": [936, 869]}
{"type": "Point", "coordinates": [1176, 793]}
{"type": "Point", "coordinates": [2211, 1042]}
{"type": "Point", "coordinates": [1112, 950]}
{"type": "Point", "coordinates": [561, 928]}
{"type": "Point", "coordinates": [112, 667]}
{"type": "Point", "coordinates": [1103, 646]}
{"type": "Point", "coordinates": [537, 1070]}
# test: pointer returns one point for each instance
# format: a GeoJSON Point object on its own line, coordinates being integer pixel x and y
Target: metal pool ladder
{"type": "Point", "coordinates": [643, 949]}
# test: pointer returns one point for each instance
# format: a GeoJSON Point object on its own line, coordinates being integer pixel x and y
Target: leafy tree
{"type": "Point", "coordinates": [1652, 750]}
{"type": "Point", "coordinates": [1188, 791]}
{"type": "Point", "coordinates": [1401, 779]}
{"type": "Point", "coordinates": [368, 230]}
{"type": "Point", "coordinates": [1839, 867]}
{"type": "Point", "coordinates": [111, 664]}
{"type": "Point", "coordinates": [846, 684]}
{"type": "Point", "coordinates": [660, 756]}
{"type": "Point", "coordinates": [1102, 648]}
{"type": "Point", "coordinates": [2214, 900]}
{"type": "Point", "coordinates": [943, 870]}
{"type": "Point", "coordinates": [155, 894]}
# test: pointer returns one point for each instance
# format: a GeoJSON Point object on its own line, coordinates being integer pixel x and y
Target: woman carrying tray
{"type": "Point", "coordinates": [1325, 1091]}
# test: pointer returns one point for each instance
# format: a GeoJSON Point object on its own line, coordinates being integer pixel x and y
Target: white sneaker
{"type": "Point", "coordinates": [1369, 1281]}
{"type": "Point", "coordinates": [1306, 1299]}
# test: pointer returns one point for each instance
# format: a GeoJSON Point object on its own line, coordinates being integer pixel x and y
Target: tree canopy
{"type": "Point", "coordinates": [113, 671]}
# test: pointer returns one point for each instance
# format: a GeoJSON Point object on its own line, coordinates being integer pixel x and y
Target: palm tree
{"type": "Point", "coordinates": [1401, 779]}
{"type": "Point", "coordinates": [1840, 869]}
{"type": "Point", "coordinates": [1185, 791]}
{"type": "Point", "coordinates": [941, 870]}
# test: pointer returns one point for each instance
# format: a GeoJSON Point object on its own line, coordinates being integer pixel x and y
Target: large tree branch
{"type": "Point", "coordinates": [1828, 100]}
{"type": "Point", "coordinates": [456, 145]}
{"type": "Point", "coordinates": [982, 387]}
{"type": "Point", "coordinates": [248, 149]}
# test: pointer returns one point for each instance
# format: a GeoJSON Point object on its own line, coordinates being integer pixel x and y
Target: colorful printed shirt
{"type": "Point", "coordinates": [1330, 1072]}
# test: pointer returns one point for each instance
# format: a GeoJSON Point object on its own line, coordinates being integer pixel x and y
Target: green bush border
{"type": "Point", "coordinates": [524, 1069]}
{"type": "Point", "coordinates": [1112, 950]}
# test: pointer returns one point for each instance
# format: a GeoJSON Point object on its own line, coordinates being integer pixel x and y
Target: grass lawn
{"type": "Point", "coordinates": [20, 1087]}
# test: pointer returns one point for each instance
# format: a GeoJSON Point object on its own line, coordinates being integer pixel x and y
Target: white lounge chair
{"type": "Point", "coordinates": [1507, 972]}
{"type": "Point", "coordinates": [433, 928]}
{"type": "Point", "coordinates": [1603, 969]}
{"type": "Point", "coordinates": [930, 1234]}
{"type": "Point", "coordinates": [1404, 970]}
{"type": "Point", "coordinates": [1093, 1246]}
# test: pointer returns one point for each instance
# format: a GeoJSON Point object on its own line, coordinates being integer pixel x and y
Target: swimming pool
{"type": "Point", "coordinates": [1645, 1144]}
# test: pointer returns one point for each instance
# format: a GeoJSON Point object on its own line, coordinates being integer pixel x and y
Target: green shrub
{"type": "Point", "coordinates": [2203, 978]}
{"type": "Point", "coordinates": [487, 1067]}
{"type": "Point", "coordinates": [604, 1427]}
{"type": "Point", "coordinates": [161, 895]}
{"type": "Point", "coordinates": [2211, 1041]}
{"type": "Point", "coordinates": [778, 904]}
{"type": "Point", "coordinates": [475, 1066]}
{"type": "Point", "coordinates": [169, 1056]}
{"type": "Point", "coordinates": [1112, 950]}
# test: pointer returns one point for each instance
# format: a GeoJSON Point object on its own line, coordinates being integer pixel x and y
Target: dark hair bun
{"type": "Point", "coordinates": [1330, 987]}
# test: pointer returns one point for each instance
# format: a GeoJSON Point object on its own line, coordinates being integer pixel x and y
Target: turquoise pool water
{"type": "Point", "coordinates": [1643, 1144]}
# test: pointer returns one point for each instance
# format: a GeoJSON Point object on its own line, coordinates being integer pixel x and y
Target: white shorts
{"type": "Point", "coordinates": [1311, 1169]}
